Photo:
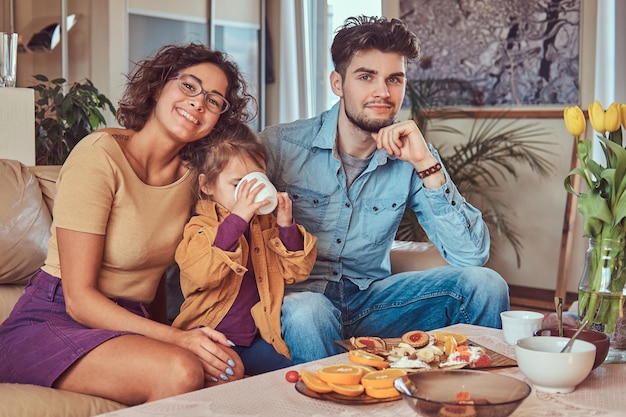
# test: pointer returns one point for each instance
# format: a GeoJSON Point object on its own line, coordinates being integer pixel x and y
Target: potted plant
{"type": "Point", "coordinates": [63, 119]}
{"type": "Point", "coordinates": [490, 152]}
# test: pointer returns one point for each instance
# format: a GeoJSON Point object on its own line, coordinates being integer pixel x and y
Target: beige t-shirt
{"type": "Point", "coordinates": [98, 192]}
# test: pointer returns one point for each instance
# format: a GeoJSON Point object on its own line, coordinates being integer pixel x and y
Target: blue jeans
{"type": "Point", "coordinates": [419, 300]}
{"type": "Point", "coordinates": [261, 357]}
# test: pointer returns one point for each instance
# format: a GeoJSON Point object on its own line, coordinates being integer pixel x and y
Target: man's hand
{"type": "Point", "coordinates": [405, 141]}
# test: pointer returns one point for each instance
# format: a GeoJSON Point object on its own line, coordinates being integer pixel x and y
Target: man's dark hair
{"type": "Point", "coordinates": [364, 33]}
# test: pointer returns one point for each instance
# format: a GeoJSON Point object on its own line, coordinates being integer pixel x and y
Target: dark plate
{"type": "Point", "coordinates": [341, 399]}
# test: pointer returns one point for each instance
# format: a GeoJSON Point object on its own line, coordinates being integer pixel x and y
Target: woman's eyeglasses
{"type": "Point", "coordinates": [192, 87]}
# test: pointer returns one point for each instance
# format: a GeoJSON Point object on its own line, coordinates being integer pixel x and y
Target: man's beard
{"type": "Point", "coordinates": [367, 124]}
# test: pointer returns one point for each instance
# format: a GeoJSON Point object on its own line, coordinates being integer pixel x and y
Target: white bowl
{"type": "Point", "coordinates": [549, 370]}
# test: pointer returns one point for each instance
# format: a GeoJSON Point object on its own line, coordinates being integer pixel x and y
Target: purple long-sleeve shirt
{"type": "Point", "coordinates": [238, 324]}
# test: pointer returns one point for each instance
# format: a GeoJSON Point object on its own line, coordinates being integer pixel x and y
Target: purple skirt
{"type": "Point", "coordinates": [39, 341]}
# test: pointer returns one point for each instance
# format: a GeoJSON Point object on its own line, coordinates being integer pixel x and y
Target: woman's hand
{"type": "Point", "coordinates": [221, 363]}
{"type": "Point", "coordinates": [284, 216]}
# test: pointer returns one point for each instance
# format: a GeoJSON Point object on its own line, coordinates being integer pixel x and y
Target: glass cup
{"type": "Point", "coordinates": [8, 59]}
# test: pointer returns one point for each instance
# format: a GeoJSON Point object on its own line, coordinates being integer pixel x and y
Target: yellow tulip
{"type": "Point", "coordinates": [612, 118]}
{"type": "Point", "coordinates": [574, 120]}
{"type": "Point", "coordinates": [596, 116]}
{"type": "Point", "coordinates": [622, 110]}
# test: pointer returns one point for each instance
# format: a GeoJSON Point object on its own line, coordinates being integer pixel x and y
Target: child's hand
{"type": "Point", "coordinates": [245, 205]}
{"type": "Point", "coordinates": [284, 216]}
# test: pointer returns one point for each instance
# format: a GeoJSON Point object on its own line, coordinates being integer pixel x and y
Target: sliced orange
{"type": "Point", "coordinates": [389, 392]}
{"type": "Point", "coordinates": [364, 369]}
{"type": "Point", "coordinates": [313, 382]}
{"type": "Point", "coordinates": [365, 358]}
{"type": "Point", "coordinates": [382, 379]}
{"type": "Point", "coordinates": [351, 390]}
{"type": "Point", "coordinates": [441, 337]}
{"type": "Point", "coordinates": [449, 345]}
{"type": "Point", "coordinates": [344, 374]}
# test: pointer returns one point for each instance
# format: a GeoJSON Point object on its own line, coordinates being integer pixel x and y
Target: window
{"type": "Point", "coordinates": [337, 12]}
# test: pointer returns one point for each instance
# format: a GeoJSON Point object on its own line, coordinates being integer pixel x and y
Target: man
{"type": "Point", "coordinates": [351, 173]}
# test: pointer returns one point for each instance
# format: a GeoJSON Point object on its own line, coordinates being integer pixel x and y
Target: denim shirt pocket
{"type": "Point", "coordinates": [380, 218]}
{"type": "Point", "coordinates": [309, 208]}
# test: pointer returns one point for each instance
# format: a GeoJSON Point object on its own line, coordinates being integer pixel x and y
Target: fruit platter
{"type": "Point", "coordinates": [418, 350]}
{"type": "Point", "coordinates": [374, 363]}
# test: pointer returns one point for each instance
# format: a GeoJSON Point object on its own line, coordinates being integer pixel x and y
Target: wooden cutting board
{"type": "Point", "coordinates": [497, 359]}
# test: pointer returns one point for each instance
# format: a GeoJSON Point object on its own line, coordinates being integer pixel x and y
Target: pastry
{"type": "Point", "coordinates": [416, 338]}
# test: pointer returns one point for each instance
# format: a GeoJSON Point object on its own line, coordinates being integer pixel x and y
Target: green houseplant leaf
{"type": "Point", "coordinates": [489, 153]}
{"type": "Point", "coordinates": [62, 120]}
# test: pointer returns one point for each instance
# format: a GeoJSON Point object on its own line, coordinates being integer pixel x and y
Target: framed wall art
{"type": "Point", "coordinates": [486, 53]}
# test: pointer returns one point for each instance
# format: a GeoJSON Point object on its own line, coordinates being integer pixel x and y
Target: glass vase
{"type": "Point", "coordinates": [601, 293]}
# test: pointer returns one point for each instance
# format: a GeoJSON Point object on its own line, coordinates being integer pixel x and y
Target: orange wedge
{"type": "Point", "coordinates": [449, 345]}
{"type": "Point", "coordinates": [389, 392]}
{"type": "Point", "coordinates": [382, 379]}
{"type": "Point", "coordinates": [351, 390]}
{"type": "Point", "coordinates": [365, 358]}
{"type": "Point", "coordinates": [441, 337]}
{"type": "Point", "coordinates": [343, 374]}
{"type": "Point", "coordinates": [313, 382]}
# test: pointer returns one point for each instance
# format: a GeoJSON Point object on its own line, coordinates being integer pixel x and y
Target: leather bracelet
{"type": "Point", "coordinates": [429, 171]}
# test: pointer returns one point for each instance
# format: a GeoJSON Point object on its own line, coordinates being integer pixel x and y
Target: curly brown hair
{"type": "Point", "coordinates": [363, 33]}
{"type": "Point", "coordinates": [149, 76]}
{"type": "Point", "coordinates": [239, 141]}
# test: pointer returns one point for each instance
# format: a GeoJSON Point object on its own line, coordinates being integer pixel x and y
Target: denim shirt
{"type": "Point", "coordinates": [356, 227]}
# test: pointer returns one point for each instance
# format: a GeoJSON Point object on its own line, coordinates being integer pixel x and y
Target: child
{"type": "Point", "coordinates": [234, 263]}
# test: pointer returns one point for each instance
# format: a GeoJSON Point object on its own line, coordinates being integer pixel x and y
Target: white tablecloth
{"type": "Point", "coordinates": [602, 394]}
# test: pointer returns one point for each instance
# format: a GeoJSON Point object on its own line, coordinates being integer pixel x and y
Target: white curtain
{"type": "Point", "coordinates": [294, 58]}
{"type": "Point", "coordinates": [610, 83]}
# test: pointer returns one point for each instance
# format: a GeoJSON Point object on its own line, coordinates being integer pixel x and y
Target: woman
{"type": "Point", "coordinates": [123, 198]}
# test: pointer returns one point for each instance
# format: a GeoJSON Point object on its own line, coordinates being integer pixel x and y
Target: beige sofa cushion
{"type": "Point", "coordinates": [47, 176]}
{"type": "Point", "coordinates": [8, 297]}
{"type": "Point", "coordinates": [24, 223]}
{"type": "Point", "coordinates": [414, 256]}
{"type": "Point", "coordinates": [33, 401]}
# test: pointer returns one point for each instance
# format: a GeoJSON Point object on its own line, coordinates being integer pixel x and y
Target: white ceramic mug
{"type": "Point", "coordinates": [268, 192]}
{"type": "Point", "coordinates": [517, 324]}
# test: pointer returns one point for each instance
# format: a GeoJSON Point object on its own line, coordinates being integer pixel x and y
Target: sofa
{"type": "Point", "coordinates": [27, 197]}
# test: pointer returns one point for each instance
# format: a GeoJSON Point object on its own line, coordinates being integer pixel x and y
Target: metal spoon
{"type": "Point", "coordinates": [400, 385]}
{"type": "Point", "coordinates": [569, 344]}
{"type": "Point", "coordinates": [558, 303]}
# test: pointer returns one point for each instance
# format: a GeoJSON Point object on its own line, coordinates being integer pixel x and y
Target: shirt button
{"type": "Point", "coordinates": [348, 205]}
{"type": "Point", "coordinates": [453, 203]}
{"type": "Point", "coordinates": [257, 250]}
{"type": "Point", "coordinates": [238, 270]}
{"type": "Point", "coordinates": [338, 240]}
{"type": "Point", "coordinates": [335, 273]}
{"type": "Point", "coordinates": [295, 196]}
{"type": "Point", "coordinates": [375, 208]}
{"type": "Point", "coordinates": [394, 205]}
{"type": "Point", "coordinates": [316, 201]}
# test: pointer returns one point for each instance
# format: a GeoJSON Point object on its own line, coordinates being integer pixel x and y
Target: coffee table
{"type": "Point", "coordinates": [600, 395]}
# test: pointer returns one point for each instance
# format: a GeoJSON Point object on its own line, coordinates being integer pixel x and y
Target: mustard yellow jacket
{"type": "Point", "coordinates": [210, 277]}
